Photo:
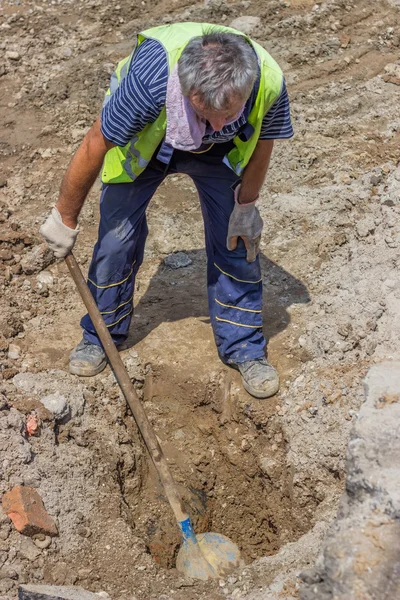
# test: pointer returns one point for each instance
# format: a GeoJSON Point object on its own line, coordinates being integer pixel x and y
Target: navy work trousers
{"type": "Point", "coordinates": [234, 285]}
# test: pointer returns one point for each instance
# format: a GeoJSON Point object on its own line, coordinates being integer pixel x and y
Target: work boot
{"type": "Point", "coordinates": [259, 378]}
{"type": "Point", "coordinates": [87, 359]}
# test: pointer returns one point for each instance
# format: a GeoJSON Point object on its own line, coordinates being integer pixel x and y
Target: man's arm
{"type": "Point", "coordinates": [245, 221]}
{"type": "Point", "coordinates": [81, 174]}
{"type": "Point", "coordinates": [255, 171]}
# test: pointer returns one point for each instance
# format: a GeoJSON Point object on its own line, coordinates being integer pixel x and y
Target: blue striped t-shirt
{"type": "Point", "coordinates": [141, 95]}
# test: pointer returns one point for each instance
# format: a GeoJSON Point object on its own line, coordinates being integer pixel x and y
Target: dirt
{"type": "Point", "coordinates": [267, 474]}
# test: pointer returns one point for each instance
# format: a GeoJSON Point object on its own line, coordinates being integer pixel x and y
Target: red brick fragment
{"type": "Point", "coordinates": [32, 425]}
{"type": "Point", "coordinates": [25, 508]}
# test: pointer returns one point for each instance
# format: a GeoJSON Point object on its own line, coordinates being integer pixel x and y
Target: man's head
{"type": "Point", "coordinates": [217, 72]}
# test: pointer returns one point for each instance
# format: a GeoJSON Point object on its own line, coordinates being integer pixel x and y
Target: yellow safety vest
{"type": "Point", "coordinates": [123, 164]}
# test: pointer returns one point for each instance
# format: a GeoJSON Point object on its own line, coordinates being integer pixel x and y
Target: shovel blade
{"type": "Point", "coordinates": [213, 556]}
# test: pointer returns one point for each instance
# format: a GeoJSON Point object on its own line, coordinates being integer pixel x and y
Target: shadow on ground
{"type": "Point", "coordinates": [175, 294]}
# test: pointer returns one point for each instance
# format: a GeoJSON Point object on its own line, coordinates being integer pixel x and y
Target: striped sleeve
{"type": "Point", "coordinates": [276, 124]}
{"type": "Point", "coordinates": [140, 96]}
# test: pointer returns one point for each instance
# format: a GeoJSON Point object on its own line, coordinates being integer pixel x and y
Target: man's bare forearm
{"type": "Point", "coordinates": [255, 172]}
{"type": "Point", "coordinates": [81, 174]}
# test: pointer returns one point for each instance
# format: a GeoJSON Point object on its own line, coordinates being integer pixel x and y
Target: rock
{"type": "Point", "coordinates": [246, 24]}
{"type": "Point", "coordinates": [13, 55]}
{"type": "Point", "coordinates": [344, 40]}
{"type": "Point", "coordinates": [177, 260]}
{"type": "Point", "coordinates": [25, 508]}
{"type": "Point", "coordinates": [393, 70]}
{"type": "Point", "coordinates": [46, 278]}
{"type": "Point", "coordinates": [361, 550]}
{"type": "Point", "coordinates": [37, 259]}
{"type": "Point", "coordinates": [14, 352]}
{"type": "Point", "coordinates": [77, 404]}
{"type": "Point", "coordinates": [31, 383]}
{"type": "Point", "coordinates": [27, 549]}
{"type": "Point", "coordinates": [42, 541]}
{"type": "Point", "coordinates": [55, 592]}
{"type": "Point", "coordinates": [56, 404]}
{"type": "Point", "coordinates": [269, 466]}
{"type": "Point", "coordinates": [375, 179]}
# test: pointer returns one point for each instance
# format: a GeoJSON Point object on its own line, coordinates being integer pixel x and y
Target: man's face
{"type": "Point", "coordinates": [217, 118]}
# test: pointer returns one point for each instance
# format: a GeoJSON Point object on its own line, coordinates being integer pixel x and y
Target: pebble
{"type": "Point", "coordinates": [56, 404]}
{"type": "Point", "coordinates": [177, 260]}
{"type": "Point", "coordinates": [85, 532]}
{"type": "Point", "coordinates": [42, 541]}
{"type": "Point", "coordinates": [13, 55]}
{"type": "Point", "coordinates": [37, 259]}
{"type": "Point", "coordinates": [393, 70]}
{"type": "Point", "coordinates": [375, 179]}
{"type": "Point", "coordinates": [46, 278]}
{"type": "Point", "coordinates": [14, 352]}
{"type": "Point", "coordinates": [27, 549]}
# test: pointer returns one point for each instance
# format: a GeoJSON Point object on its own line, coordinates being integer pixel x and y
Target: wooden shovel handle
{"type": "Point", "coordinates": [129, 392]}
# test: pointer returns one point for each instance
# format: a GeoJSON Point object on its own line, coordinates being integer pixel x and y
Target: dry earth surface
{"type": "Point", "coordinates": [267, 474]}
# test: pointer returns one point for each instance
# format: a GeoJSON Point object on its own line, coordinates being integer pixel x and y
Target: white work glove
{"type": "Point", "coordinates": [59, 237]}
{"type": "Point", "coordinates": [245, 222]}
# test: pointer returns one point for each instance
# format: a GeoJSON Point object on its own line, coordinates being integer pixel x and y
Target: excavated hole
{"type": "Point", "coordinates": [229, 457]}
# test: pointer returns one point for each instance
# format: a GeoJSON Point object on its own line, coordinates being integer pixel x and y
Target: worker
{"type": "Point", "coordinates": [207, 101]}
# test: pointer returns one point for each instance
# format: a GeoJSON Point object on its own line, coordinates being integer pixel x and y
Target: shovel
{"type": "Point", "coordinates": [203, 556]}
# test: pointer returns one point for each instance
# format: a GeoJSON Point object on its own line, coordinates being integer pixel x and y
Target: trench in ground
{"type": "Point", "coordinates": [228, 454]}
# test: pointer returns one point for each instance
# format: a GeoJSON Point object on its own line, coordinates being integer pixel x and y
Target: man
{"type": "Point", "coordinates": [196, 99]}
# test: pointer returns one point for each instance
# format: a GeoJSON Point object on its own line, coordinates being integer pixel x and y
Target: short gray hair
{"type": "Point", "coordinates": [219, 67]}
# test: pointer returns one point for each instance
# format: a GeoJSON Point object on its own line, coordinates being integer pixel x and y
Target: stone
{"type": "Point", "coordinates": [56, 404]}
{"type": "Point", "coordinates": [27, 549]}
{"type": "Point", "coordinates": [393, 70]}
{"type": "Point", "coordinates": [25, 508]}
{"type": "Point", "coordinates": [269, 466]}
{"type": "Point", "coordinates": [14, 352]}
{"type": "Point", "coordinates": [55, 592]}
{"type": "Point", "coordinates": [42, 541]}
{"type": "Point", "coordinates": [13, 55]}
{"type": "Point", "coordinates": [37, 259]}
{"type": "Point", "coordinates": [375, 179]}
{"type": "Point", "coordinates": [77, 403]}
{"type": "Point", "coordinates": [46, 278]}
{"type": "Point", "coordinates": [246, 24]}
{"type": "Point", "coordinates": [177, 260]}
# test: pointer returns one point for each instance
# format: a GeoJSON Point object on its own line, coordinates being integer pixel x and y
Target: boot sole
{"type": "Point", "coordinates": [270, 391]}
{"type": "Point", "coordinates": [87, 371]}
